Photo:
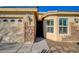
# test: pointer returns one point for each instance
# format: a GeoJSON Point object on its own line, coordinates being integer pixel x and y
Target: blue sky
{"type": "Point", "coordinates": [47, 8]}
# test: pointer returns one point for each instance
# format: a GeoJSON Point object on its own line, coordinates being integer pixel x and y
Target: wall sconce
{"type": "Point", "coordinates": [30, 19]}
{"type": "Point", "coordinates": [76, 20]}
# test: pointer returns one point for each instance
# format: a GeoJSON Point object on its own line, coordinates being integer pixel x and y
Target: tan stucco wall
{"type": "Point", "coordinates": [53, 36]}
{"type": "Point", "coordinates": [56, 36]}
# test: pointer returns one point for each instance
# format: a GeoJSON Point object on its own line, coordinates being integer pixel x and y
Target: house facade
{"type": "Point", "coordinates": [26, 24]}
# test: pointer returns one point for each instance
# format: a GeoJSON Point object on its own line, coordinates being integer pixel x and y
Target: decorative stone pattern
{"type": "Point", "coordinates": [29, 27]}
{"type": "Point", "coordinates": [29, 33]}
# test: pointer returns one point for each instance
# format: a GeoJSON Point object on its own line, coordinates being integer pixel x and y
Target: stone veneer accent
{"type": "Point", "coordinates": [30, 34]}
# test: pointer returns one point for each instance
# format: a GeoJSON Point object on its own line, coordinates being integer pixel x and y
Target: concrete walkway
{"type": "Point", "coordinates": [39, 46]}
{"type": "Point", "coordinates": [24, 48]}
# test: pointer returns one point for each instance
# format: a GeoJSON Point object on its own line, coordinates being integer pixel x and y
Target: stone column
{"type": "Point", "coordinates": [29, 30]}
{"type": "Point", "coordinates": [25, 29]}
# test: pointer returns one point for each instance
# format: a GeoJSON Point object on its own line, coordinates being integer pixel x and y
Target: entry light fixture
{"type": "Point", "coordinates": [30, 19]}
{"type": "Point", "coordinates": [76, 20]}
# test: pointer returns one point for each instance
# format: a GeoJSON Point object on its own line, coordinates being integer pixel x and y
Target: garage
{"type": "Point", "coordinates": [18, 25]}
{"type": "Point", "coordinates": [11, 30]}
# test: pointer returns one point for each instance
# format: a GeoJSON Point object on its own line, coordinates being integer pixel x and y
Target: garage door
{"type": "Point", "coordinates": [11, 30]}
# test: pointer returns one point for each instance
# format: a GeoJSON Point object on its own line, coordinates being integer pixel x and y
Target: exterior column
{"type": "Point", "coordinates": [29, 29]}
{"type": "Point", "coordinates": [25, 29]}
{"type": "Point", "coordinates": [56, 31]}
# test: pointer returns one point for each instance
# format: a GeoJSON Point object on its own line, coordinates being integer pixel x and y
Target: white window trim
{"type": "Point", "coordinates": [49, 25]}
{"type": "Point", "coordinates": [62, 34]}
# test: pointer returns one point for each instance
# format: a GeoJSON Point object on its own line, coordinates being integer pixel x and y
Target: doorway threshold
{"type": "Point", "coordinates": [39, 39]}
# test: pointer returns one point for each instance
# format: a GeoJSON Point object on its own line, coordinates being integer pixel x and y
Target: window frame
{"type": "Point", "coordinates": [50, 25]}
{"type": "Point", "coordinates": [12, 20]}
{"type": "Point", "coordinates": [19, 20]}
{"type": "Point", "coordinates": [63, 26]}
{"type": "Point", "coordinates": [5, 20]}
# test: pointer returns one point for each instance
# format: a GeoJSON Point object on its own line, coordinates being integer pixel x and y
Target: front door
{"type": "Point", "coordinates": [39, 30]}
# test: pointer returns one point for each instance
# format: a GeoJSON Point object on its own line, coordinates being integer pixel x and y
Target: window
{"type": "Point", "coordinates": [63, 25]}
{"type": "Point", "coordinates": [50, 25]}
{"type": "Point", "coordinates": [19, 20]}
{"type": "Point", "coordinates": [5, 20]}
{"type": "Point", "coordinates": [12, 20]}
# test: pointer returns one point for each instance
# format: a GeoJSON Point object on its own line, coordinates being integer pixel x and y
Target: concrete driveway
{"type": "Point", "coordinates": [23, 47]}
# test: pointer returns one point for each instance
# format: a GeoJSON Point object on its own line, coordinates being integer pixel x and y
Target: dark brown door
{"type": "Point", "coordinates": [39, 30]}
